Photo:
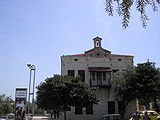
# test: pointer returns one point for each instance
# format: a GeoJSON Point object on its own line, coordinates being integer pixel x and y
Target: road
{"type": "Point", "coordinates": [45, 118]}
{"type": "Point", "coordinates": [40, 118]}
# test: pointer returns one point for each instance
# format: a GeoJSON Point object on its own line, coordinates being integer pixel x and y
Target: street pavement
{"type": "Point", "coordinates": [40, 118]}
{"type": "Point", "coordinates": [45, 118]}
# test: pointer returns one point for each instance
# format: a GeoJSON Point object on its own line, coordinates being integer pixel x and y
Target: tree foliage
{"type": "Point", "coordinates": [148, 77]}
{"type": "Point", "coordinates": [125, 87]}
{"type": "Point", "coordinates": [61, 92]}
{"type": "Point", "coordinates": [142, 82]}
{"type": "Point", "coordinates": [124, 9]}
{"type": "Point", "coordinates": [6, 104]}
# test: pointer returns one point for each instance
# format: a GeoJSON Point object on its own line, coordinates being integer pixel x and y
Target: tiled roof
{"type": "Point", "coordinates": [122, 55]}
{"type": "Point", "coordinates": [97, 48]}
{"type": "Point", "coordinates": [110, 54]}
{"type": "Point", "coordinates": [74, 55]}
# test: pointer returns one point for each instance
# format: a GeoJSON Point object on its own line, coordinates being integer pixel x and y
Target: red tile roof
{"type": "Point", "coordinates": [110, 54]}
{"type": "Point", "coordinates": [122, 55]}
{"type": "Point", "coordinates": [74, 55]}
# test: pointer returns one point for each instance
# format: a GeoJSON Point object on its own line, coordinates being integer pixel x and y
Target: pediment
{"type": "Point", "coordinates": [97, 52]}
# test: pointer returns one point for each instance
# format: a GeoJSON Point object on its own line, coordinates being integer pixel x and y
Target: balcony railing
{"type": "Point", "coordinates": [101, 84]}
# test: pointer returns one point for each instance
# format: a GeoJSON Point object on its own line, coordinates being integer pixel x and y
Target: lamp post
{"type": "Point", "coordinates": [31, 84]}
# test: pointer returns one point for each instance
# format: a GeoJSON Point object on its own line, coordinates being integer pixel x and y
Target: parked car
{"type": "Point", "coordinates": [3, 118]}
{"type": "Point", "coordinates": [10, 116]}
{"type": "Point", "coordinates": [152, 114]}
{"type": "Point", "coordinates": [111, 117]}
{"type": "Point", "coordinates": [45, 118]}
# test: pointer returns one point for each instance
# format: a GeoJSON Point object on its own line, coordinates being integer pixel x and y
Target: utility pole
{"type": "Point", "coordinates": [31, 90]}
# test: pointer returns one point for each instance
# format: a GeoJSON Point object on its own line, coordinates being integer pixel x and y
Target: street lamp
{"type": "Point", "coordinates": [31, 81]}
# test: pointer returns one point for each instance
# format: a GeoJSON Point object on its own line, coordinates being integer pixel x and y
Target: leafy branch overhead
{"type": "Point", "coordinates": [124, 8]}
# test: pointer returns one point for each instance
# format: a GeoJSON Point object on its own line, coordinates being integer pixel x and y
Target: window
{"type": "Point", "coordinates": [78, 109]}
{"type": "Point", "coordinates": [81, 73]}
{"type": "Point", "coordinates": [104, 76]}
{"type": "Point", "coordinates": [71, 73]}
{"type": "Point", "coordinates": [119, 59]}
{"type": "Point", "coordinates": [116, 70]}
{"type": "Point", "coordinates": [99, 78]}
{"type": "Point", "coordinates": [89, 109]}
{"type": "Point", "coordinates": [120, 106]}
{"type": "Point", "coordinates": [97, 44]}
{"type": "Point", "coordinates": [75, 59]}
{"type": "Point", "coordinates": [93, 76]}
{"type": "Point", "coordinates": [111, 107]}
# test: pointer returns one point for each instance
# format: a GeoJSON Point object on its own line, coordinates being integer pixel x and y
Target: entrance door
{"type": "Point", "coordinates": [111, 107]}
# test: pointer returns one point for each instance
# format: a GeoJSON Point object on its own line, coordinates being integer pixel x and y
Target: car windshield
{"type": "Point", "coordinates": [3, 118]}
{"type": "Point", "coordinates": [152, 114]}
{"type": "Point", "coordinates": [44, 118]}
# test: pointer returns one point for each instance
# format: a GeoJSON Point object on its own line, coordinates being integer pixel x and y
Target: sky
{"type": "Point", "coordinates": [40, 31]}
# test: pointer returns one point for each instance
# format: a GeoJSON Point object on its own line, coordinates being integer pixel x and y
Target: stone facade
{"type": "Point", "coordinates": [96, 67]}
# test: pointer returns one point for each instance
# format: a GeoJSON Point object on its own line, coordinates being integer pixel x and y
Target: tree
{"type": "Point", "coordinates": [125, 87]}
{"type": "Point", "coordinates": [138, 82]}
{"type": "Point", "coordinates": [124, 8]}
{"type": "Point", "coordinates": [148, 77]}
{"type": "Point", "coordinates": [6, 104]}
{"type": "Point", "coordinates": [58, 93]}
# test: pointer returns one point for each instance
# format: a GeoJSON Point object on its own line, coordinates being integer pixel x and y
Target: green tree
{"type": "Point", "coordinates": [58, 93]}
{"type": "Point", "coordinates": [141, 82]}
{"type": "Point", "coordinates": [6, 104]}
{"type": "Point", "coordinates": [148, 80]}
{"type": "Point", "coordinates": [124, 7]}
{"type": "Point", "coordinates": [125, 87]}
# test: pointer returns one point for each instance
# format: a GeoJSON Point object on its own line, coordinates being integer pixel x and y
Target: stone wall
{"type": "Point", "coordinates": [97, 57]}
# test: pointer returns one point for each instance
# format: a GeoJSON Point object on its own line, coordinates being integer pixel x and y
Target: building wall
{"type": "Point", "coordinates": [69, 63]}
{"type": "Point", "coordinates": [96, 57]}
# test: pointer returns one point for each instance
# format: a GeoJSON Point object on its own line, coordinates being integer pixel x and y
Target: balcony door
{"type": "Point", "coordinates": [99, 78]}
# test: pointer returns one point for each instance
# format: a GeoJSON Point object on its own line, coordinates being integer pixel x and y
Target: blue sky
{"type": "Point", "coordinates": [40, 31]}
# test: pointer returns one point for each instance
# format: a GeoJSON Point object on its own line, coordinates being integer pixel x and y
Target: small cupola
{"type": "Point", "coordinates": [97, 42]}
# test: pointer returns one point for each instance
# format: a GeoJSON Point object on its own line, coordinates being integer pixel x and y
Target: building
{"type": "Point", "coordinates": [96, 67]}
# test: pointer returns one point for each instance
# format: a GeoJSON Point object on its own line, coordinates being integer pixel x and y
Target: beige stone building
{"type": "Point", "coordinates": [96, 67]}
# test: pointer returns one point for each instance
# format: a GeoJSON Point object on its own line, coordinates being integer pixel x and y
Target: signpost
{"type": "Point", "coordinates": [20, 103]}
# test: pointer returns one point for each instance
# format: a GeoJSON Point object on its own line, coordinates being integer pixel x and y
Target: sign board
{"type": "Point", "coordinates": [21, 93]}
{"type": "Point", "coordinates": [20, 103]}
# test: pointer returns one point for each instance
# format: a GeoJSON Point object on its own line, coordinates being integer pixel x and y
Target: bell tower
{"type": "Point", "coordinates": [97, 42]}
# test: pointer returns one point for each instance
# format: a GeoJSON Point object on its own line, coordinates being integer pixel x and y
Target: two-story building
{"type": "Point", "coordinates": [96, 66]}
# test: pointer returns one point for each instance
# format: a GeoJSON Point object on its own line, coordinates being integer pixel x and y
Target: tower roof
{"type": "Point", "coordinates": [97, 39]}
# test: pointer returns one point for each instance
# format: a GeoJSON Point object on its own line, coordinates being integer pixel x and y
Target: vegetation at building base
{"type": "Point", "coordinates": [124, 7]}
{"type": "Point", "coordinates": [6, 105]}
{"type": "Point", "coordinates": [59, 93]}
{"type": "Point", "coordinates": [141, 82]}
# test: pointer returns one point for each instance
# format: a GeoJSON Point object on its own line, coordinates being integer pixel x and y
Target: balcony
{"type": "Point", "coordinates": [100, 77]}
{"type": "Point", "coordinates": [101, 84]}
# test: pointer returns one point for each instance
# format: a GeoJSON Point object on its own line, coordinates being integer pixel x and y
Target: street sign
{"type": "Point", "coordinates": [21, 93]}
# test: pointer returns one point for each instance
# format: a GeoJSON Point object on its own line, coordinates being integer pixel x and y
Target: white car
{"type": "Point", "coordinates": [111, 117]}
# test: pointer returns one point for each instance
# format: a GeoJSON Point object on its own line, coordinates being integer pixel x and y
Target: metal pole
{"type": "Point", "coordinates": [31, 67]}
{"type": "Point", "coordinates": [29, 90]}
{"type": "Point", "coordinates": [33, 90]}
